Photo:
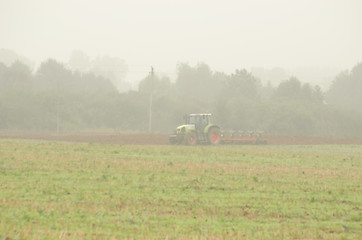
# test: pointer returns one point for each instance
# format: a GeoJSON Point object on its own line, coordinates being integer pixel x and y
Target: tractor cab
{"type": "Point", "coordinates": [199, 120]}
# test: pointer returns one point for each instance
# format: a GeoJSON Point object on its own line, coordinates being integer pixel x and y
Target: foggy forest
{"type": "Point", "coordinates": [80, 95]}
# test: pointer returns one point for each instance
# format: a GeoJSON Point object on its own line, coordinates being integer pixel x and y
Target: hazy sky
{"type": "Point", "coordinates": [224, 34]}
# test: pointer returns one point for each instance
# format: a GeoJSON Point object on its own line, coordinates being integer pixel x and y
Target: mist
{"type": "Point", "coordinates": [227, 35]}
{"type": "Point", "coordinates": [248, 62]}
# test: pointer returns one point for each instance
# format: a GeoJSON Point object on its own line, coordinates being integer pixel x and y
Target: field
{"type": "Point", "coordinates": [63, 190]}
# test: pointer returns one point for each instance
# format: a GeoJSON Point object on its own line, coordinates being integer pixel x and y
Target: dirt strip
{"type": "Point", "coordinates": [155, 139]}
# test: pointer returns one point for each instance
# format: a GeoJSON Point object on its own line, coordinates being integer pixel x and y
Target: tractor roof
{"type": "Point", "coordinates": [200, 114]}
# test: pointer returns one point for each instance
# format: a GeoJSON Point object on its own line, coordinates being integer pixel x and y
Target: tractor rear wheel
{"type": "Point", "coordinates": [214, 136]}
{"type": "Point", "coordinates": [191, 139]}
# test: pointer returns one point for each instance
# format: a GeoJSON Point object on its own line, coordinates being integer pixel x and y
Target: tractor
{"type": "Point", "coordinates": [197, 129]}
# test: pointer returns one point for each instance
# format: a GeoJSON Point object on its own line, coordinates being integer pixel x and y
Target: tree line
{"type": "Point", "coordinates": [55, 97]}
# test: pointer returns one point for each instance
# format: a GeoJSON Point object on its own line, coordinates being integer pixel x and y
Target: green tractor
{"type": "Point", "coordinates": [197, 129]}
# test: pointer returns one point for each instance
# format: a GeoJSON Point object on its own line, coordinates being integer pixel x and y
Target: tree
{"type": "Point", "coordinates": [346, 89]}
{"type": "Point", "coordinates": [293, 90]}
{"type": "Point", "coordinates": [197, 82]}
{"type": "Point", "coordinates": [242, 84]}
{"type": "Point", "coordinates": [80, 61]}
{"type": "Point", "coordinates": [161, 85]}
{"type": "Point", "coordinates": [16, 77]}
{"type": "Point", "coordinates": [112, 68]}
{"type": "Point", "coordinates": [52, 75]}
{"type": "Point", "coordinates": [9, 57]}
{"type": "Point", "coordinates": [239, 105]}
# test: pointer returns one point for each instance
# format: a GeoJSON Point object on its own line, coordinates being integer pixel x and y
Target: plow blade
{"type": "Point", "coordinates": [242, 137]}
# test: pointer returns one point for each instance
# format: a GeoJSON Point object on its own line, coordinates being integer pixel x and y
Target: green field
{"type": "Point", "coordinates": [57, 190]}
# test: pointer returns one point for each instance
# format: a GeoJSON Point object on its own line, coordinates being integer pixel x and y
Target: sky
{"type": "Point", "coordinates": [226, 35]}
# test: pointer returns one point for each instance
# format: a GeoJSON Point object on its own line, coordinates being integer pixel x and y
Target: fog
{"type": "Point", "coordinates": [227, 35]}
{"type": "Point", "coordinates": [283, 67]}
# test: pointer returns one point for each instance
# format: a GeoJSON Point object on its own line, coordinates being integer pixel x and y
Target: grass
{"type": "Point", "coordinates": [54, 190]}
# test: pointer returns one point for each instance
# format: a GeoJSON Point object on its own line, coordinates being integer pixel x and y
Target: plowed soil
{"type": "Point", "coordinates": [156, 139]}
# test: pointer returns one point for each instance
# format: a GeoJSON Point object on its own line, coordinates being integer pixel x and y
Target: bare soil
{"type": "Point", "coordinates": [96, 137]}
{"type": "Point", "coordinates": [156, 138]}
{"type": "Point", "coordinates": [305, 140]}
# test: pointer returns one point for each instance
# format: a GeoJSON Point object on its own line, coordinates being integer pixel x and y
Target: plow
{"type": "Point", "coordinates": [199, 129]}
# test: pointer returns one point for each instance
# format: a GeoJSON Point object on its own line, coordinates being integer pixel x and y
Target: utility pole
{"type": "Point", "coordinates": [58, 102]}
{"type": "Point", "coordinates": [151, 95]}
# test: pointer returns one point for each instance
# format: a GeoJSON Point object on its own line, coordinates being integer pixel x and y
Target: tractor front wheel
{"type": "Point", "coordinates": [191, 139]}
{"type": "Point", "coordinates": [214, 136]}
